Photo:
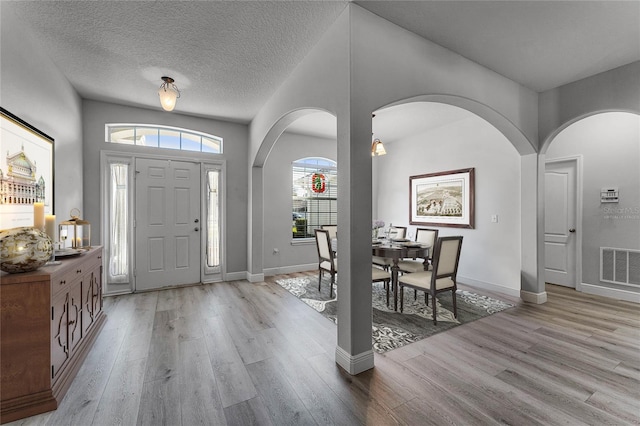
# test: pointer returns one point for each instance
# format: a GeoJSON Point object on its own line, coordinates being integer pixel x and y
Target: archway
{"type": "Point", "coordinates": [256, 195]}
{"type": "Point", "coordinates": [435, 137]}
{"type": "Point", "coordinates": [607, 146]}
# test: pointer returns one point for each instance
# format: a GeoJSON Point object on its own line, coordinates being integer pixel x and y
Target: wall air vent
{"type": "Point", "coordinates": [620, 266]}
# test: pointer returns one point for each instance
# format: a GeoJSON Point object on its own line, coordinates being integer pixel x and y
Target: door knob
{"type": "Point", "coordinates": [572, 230]}
{"type": "Point", "coordinates": [196, 229]}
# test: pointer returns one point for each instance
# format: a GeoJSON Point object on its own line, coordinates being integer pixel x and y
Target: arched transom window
{"type": "Point", "coordinates": [163, 137]}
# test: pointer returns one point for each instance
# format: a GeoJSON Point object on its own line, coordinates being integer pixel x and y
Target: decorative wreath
{"type": "Point", "coordinates": [318, 183]}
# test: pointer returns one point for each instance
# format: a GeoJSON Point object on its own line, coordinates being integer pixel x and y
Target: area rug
{"type": "Point", "coordinates": [391, 329]}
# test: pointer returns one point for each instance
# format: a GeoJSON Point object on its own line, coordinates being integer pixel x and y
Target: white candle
{"type": "Point", "coordinates": [38, 216]}
{"type": "Point", "coordinates": [50, 226]}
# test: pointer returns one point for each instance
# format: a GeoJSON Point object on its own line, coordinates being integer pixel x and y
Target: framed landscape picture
{"type": "Point", "coordinates": [26, 171]}
{"type": "Point", "coordinates": [442, 199]}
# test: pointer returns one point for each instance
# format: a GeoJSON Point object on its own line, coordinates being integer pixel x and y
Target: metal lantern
{"type": "Point", "coordinates": [75, 232]}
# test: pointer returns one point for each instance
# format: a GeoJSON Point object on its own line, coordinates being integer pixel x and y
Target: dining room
{"type": "Point", "coordinates": [412, 133]}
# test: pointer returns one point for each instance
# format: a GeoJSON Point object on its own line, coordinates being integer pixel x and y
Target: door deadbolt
{"type": "Point", "coordinates": [197, 220]}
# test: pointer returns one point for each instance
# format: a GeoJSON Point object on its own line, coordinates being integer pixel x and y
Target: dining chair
{"type": "Point", "coordinates": [397, 232]}
{"type": "Point", "coordinates": [326, 259]}
{"type": "Point", "coordinates": [380, 275]}
{"type": "Point", "coordinates": [442, 277]}
{"type": "Point", "coordinates": [426, 236]}
{"type": "Point", "coordinates": [333, 230]}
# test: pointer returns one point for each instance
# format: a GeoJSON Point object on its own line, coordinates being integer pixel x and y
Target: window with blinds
{"type": "Point", "coordinates": [314, 195]}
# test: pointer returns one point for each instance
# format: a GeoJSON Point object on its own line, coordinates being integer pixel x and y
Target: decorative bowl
{"type": "Point", "coordinates": [24, 249]}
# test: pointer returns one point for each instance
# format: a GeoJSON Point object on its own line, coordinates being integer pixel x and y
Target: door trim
{"type": "Point", "coordinates": [577, 161]}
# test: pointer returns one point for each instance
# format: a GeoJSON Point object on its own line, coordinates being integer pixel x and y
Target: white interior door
{"type": "Point", "coordinates": [167, 224]}
{"type": "Point", "coordinates": [560, 222]}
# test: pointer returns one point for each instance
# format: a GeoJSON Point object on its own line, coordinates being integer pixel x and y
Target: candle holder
{"type": "Point", "coordinates": [77, 230]}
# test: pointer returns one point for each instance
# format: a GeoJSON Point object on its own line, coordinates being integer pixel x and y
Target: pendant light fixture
{"type": "Point", "coordinates": [377, 148]}
{"type": "Point", "coordinates": [168, 93]}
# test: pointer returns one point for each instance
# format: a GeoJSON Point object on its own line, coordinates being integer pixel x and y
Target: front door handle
{"type": "Point", "coordinates": [196, 229]}
{"type": "Point", "coordinates": [572, 230]}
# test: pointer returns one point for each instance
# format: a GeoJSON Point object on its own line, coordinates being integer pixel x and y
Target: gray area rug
{"type": "Point", "coordinates": [391, 329]}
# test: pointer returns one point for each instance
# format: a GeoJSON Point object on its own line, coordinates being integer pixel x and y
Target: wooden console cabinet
{"type": "Point", "coordinates": [49, 319]}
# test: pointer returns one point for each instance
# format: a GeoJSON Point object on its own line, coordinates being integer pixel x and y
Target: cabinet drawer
{"type": "Point", "coordinates": [63, 281]}
{"type": "Point", "coordinates": [66, 278]}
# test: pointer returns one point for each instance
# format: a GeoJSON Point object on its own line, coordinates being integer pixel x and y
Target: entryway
{"type": "Point", "coordinates": [162, 221]}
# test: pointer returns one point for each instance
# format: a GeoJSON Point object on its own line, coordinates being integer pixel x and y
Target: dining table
{"type": "Point", "coordinates": [397, 250]}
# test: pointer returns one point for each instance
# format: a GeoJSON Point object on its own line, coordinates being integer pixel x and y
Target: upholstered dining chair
{"type": "Point", "coordinates": [425, 236]}
{"type": "Point", "coordinates": [397, 232]}
{"type": "Point", "coordinates": [442, 277]}
{"type": "Point", "coordinates": [380, 275]}
{"type": "Point", "coordinates": [326, 259]}
{"type": "Point", "coordinates": [333, 230]}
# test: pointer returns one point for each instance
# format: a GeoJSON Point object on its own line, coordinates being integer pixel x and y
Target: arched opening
{"type": "Point", "coordinates": [301, 133]}
{"type": "Point", "coordinates": [423, 137]}
{"type": "Point", "coordinates": [605, 146]}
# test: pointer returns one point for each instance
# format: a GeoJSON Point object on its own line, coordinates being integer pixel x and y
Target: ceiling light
{"type": "Point", "coordinates": [377, 148]}
{"type": "Point", "coordinates": [168, 93]}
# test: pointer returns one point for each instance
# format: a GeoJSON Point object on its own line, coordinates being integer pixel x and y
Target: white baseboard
{"type": "Point", "coordinates": [537, 298]}
{"type": "Point", "coordinates": [254, 278]}
{"type": "Point", "coordinates": [614, 293]}
{"type": "Point", "coordinates": [488, 286]}
{"type": "Point", "coordinates": [354, 364]}
{"type": "Point", "coordinates": [269, 272]}
{"type": "Point", "coordinates": [236, 276]}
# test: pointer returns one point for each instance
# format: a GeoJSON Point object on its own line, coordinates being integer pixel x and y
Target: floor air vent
{"type": "Point", "coordinates": [620, 266]}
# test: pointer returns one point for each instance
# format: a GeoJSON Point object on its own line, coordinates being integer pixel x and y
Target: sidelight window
{"type": "Point", "coordinates": [118, 265]}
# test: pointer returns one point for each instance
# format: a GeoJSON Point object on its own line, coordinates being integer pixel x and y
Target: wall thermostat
{"type": "Point", "coordinates": [609, 195]}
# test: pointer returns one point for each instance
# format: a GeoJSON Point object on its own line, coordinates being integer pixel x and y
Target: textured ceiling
{"type": "Point", "coordinates": [228, 57]}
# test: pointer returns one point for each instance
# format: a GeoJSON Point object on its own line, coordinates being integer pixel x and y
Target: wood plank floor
{"type": "Point", "coordinates": [239, 353]}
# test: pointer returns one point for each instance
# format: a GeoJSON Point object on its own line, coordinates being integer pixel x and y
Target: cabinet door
{"type": "Point", "coordinates": [92, 297]}
{"type": "Point", "coordinates": [75, 315]}
{"type": "Point", "coordinates": [59, 329]}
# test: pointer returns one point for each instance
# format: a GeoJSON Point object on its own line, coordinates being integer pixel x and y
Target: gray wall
{"type": "Point", "coordinates": [97, 114]}
{"type": "Point", "coordinates": [35, 90]}
{"type": "Point", "coordinates": [490, 255]}
{"type": "Point", "coordinates": [609, 144]}
{"type": "Point", "coordinates": [614, 90]}
{"type": "Point", "coordinates": [277, 202]}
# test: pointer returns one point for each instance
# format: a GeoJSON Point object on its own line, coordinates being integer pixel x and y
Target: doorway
{"type": "Point", "coordinates": [167, 223]}
{"type": "Point", "coordinates": [150, 205]}
{"type": "Point", "coordinates": [562, 225]}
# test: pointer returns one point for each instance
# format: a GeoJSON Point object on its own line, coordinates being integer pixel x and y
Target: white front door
{"type": "Point", "coordinates": [167, 224]}
{"type": "Point", "coordinates": [560, 222]}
